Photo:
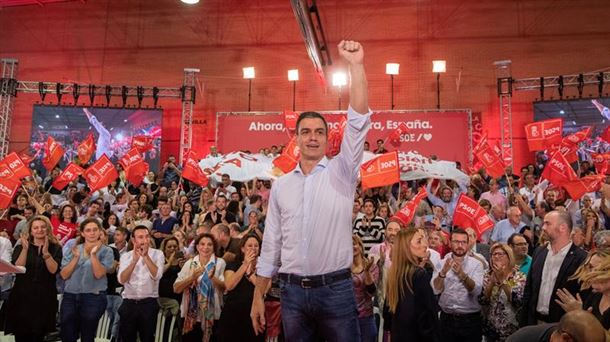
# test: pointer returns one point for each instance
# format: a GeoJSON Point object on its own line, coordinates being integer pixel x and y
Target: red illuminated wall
{"type": "Point", "coordinates": [138, 42]}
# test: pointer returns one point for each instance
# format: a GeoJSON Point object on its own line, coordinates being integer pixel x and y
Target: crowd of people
{"type": "Point", "coordinates": [210, 255]}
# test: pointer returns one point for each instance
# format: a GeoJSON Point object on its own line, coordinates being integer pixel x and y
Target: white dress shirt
{"type": "Point", "coordinates": [142, 284]}
{"type": "Point", "coordinates": [309, 217]}
{"type": "Point", "coordinates": [455, 298]}
{"type": "Point", "coordinates": [552, 264]}
{"type": "Point", "coordinates": [6, 251]}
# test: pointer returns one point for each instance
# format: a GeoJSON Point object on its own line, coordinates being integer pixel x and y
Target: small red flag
{"type": "Point", "coordinates": [558, 170]}
{"type": "Point", "coordinates": [335, 137]}
{"type": "Point", "coordinates": [142, 142]}
{"type": "Point", "coordinates": [134, 166]}
{"type": "Point", "coordinates": [491, 158]}
{"type": "Point", "coordinates": [289, 158]}
{"type": "Point", "coordinates": [16, 165]}
{"type": "Point", "coordinates": [406, 214]}
{"type": "Point", "coordinates": [469, 214]}
{"type": "Point", "coordinates": [606, 134]}
{"type": "Point", "coordinates": [600, 160]}
{"type": "Point", "coordinates": [53, 152]}
{"type": "Point", "coordinates": [290, 120]}
{"type": "Point", "coordinates": [577, 188]}
{"type": "Point", "coordinates": [542, 134]}
{"type": "Point", "coordinates": [380, 171]}
{"type": "Point", "coordinates": [71, 172]}
{"type": "Point", "coordinates": [101, 173]}
{"type": "Point", "coordinates": [192, 171]}
{"type": "Point", "coordinates": [8, 189]}
{"type": "Point", "coordinates": [394, 137]}
{"type": "Point", "coordinates": [85, 149]}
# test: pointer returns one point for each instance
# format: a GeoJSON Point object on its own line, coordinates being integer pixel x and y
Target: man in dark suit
{"type": "Point", "coordinates": [552, 265]}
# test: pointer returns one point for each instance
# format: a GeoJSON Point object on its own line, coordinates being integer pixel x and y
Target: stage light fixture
{"type": "Point", "coordinates": [75, 93]}
{"type": "Point", "coordinates": [581, 85]}
{"type": "Point", "coordinates": [155, 96]}
{"type": "Point", "coordinates": [124, 94]}
{"type": "Point", "coordinates": [339, 80]}
{"type": "Point", "coordinates": [249, 74]}
{"type": "Point", "coordinates": [190, 2]}
{"type": "Point", "coordinates": [140, 95]}
{"type": "Point", "coordinates": [560, 87]}
{"type": "Point", "coordinates": [58, 91]}
{"type": "Point", "coordinates": [108, 92]}
{"type": "Point", "coordinates": [600, 85]}
{"type": "Point", "coordinates": [42, 90]}
{"type": "Point", "coordinates": [438, 67]}
{"type": "Point", "coordinates": [293, 76]}
{"type": "Point", "coordinates": [91, 94]}
{"type": "Point", "coordinates": [541, 88]}
{"type": "Point", "coordinates": [392, 69]}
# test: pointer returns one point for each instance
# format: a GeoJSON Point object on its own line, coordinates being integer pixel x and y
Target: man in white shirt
{"type": "Point", "coordinates": [225, 188]}
{"type": "Point", "coordinates": [139, 272]}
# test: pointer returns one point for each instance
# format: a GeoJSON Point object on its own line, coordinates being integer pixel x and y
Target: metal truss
{"type": "Point", "coordinates": [7, 99]}
{"type": "Point", "coordinates": [188, 101]}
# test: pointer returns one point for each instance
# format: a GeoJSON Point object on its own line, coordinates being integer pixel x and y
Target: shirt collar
{"type": "Point", "coordinates": [321, 165]}
{"type": "Point", "coordinates": [563, 251]}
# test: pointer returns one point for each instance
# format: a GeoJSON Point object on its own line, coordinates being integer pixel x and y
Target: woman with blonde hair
{"type": "Point", "coordinates": [32, 304]}
{"type": "Point", "coordinates": [409, 295]}
{"type": "Point", "coordinates": [365, 275]}
{"type": "Point", "coordinates": [502, 294]}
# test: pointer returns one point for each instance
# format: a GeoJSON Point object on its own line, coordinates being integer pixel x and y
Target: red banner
{"type": "Point", "coordinates": [8, 189]}
{"type": "Point", "coordinates": [428, 132]}
{"type": "Point", "coordinates": [558, 170]}
{"type": "Point", "coordinates": [53, 152]}
{"type": "Point", "coordinates": [134, 165]}
{"type": "Point", "coordinates": [491, 158]}
{"type": "Point", "coordinates": [16, 165]}
{"type": "Point", "coordinates": [71, 172]}
{"type": "Point", "coordinates": [142, 142]}
{"type": "Point", "coordinates": [86, 149]}
{"type": "Point", "coordinates": [577, 188]}
{"type": "Point", "coordinates": [542, 134]}
{"type": "Point", "coordinates": [380, 171]}
{"type": "Point", "coordinates": [192, 171]}
{"type": "Point", "coordinates": [100, 174]}
{"type": "Point", "coordinates": [406, 214]}
{"type": "Point", "coordinates": [468, 214]}
{"type": "Point", "coordinates": [289, 158]}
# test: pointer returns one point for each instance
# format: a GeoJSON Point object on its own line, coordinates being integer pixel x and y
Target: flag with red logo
{"type": "Point", "coordinates": [569, 145]}
{"type": "Point", "coordinates": [600, 161]}
{"type": "Point", "coordinates": [542, 134]}
{"type": "Point", "coordinates": [289, 158]}
{"type": "Point", "coordinates": [70, 173]}
{"type": "Point", "coordinates": [8, 189]}
{"type": "Point", "coordinates": [406, 214]}
{"type": "Point", "coordinates": [491, 158]}
{"type": "Point", "coordinates": [469, 214]}
{"type": "Point", "coordinates": [26, 157]}
{"type": "Point", "coordinates": [380, 171]}
{"type": "Point", "coordinates": [606, 134]}
{"type": "Point", "coordinates": [16, 165]}
{"type": "Point", "coordinates": [192, 171]}
{"type": "Point", "coordinates": [134, 166]}
{"type": "Point", "coordinates": [335, 137]}
{"type": "Point", "coordinates": [53, 152]}
{"type": "Point", "coordinates": [558, 170]}
{"type": "Point", "coordinates": [85, 149]}
{"type": "Point", "coordinates": [578, 187]}
{"type": "Point", "coordinates": [394, 137]}
{"type": "Point", "coordinates": [101, 173]}
{"type": "Point", "coordinates": [290, 120]}
{"type": "Point", "coordinates": [142, 142]}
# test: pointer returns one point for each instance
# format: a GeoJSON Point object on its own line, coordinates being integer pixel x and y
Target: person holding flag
{"type": "Point", "coordinates": [307, 230]}
{"type": "Point", "coordinates": [104, 137]}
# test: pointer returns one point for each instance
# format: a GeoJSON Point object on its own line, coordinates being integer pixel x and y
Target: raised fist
{"type": "Point", "coordinates": [351, 51]}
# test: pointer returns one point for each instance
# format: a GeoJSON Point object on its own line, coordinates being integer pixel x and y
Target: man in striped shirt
{"type": "Point", "coordinates": [370, 228]}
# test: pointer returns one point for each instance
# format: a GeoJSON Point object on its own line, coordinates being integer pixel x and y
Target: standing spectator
{"type": "Point", "coordinates": [140, 271]}
{"type": "Point", "coordinates": [551, 267]}
{"type": "Point", "coordinates": [225, 188]}
{"type": "Point", "coordinates": [174, 259]}
{"type": "Point", "coordinates": [519, 245]}
{"type": "Point", "coordinates": [169, 172]}
{"type": "Point", "coordinates": [591, 225]}
{"type": "Point", "coordinates": [121, 236]}
{"type": "Point", "coordinates": [84, 270]}
{"type": "Point", "coordinates": [201, 282]}
{"type": "Point", "coordinates": [22, 225]}
{"type": "Point", "coordinates": [502, 294]}
{"type": "Point", "coordinates": [256, 204]}
{"type": "Point", "coordinates": [380, 148]}
{"type": "Point", "coordinates": [448, 198]}
{"type": "Point", "coordinates": [240, 279]}
{"type": "Point", "coordinates": [370, 228]}
{"type": "Point", "coordinates": [365, 274]}
{"type": "Point", "coordinates": [409, 294]}
{"type": "Point", "coordinates": [459, 283]}
{"type": "Point", "coordinates": [164, 225]}
{"type": "Point", "coordinates": [509, 226]}
{"type": "Point", "coordinates": [32, 305]}
{"type": "Point", "coordinates": [493, 195]}
{"type": "Point", "coordinates": [221, 214]}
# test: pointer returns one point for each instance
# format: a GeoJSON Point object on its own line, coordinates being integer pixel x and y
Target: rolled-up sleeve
{"type": "Point", "coordinates": [352, 146]}
{"type": "Point", "coordinates": [269, 260]}
{"type": "Point", "coordinates": [160, 263]}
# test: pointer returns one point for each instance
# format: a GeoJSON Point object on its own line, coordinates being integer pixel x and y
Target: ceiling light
{"type": "Point", "coordinates": [190, 2]}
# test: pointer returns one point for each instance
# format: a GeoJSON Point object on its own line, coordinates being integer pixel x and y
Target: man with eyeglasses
{"type": "Point", "coordinates": [519, 245]}
{"type": "Point", "coordinates": [459, 282]}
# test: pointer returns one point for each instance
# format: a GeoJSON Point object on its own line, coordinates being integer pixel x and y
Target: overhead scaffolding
{"type": "Point", "coordinates": [10, 86]}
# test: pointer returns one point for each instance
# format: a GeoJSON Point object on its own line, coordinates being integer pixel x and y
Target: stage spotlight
{"type": "Point", "coordinates": [190, 2]}
{"type": "Point", "coordinates": [124, 94]}
{"type": "Point", "coordinates": [108, 92]}
{"type": "Point", "coordinates": [155, 95]}
{"type": "Point", "coordinates": [140, 95]}
{"type": "Point", "coordinates": [75, 93]}
{"type": "Point", "coordinates": [339, 80]}
{"type": "Point", "coordinates": [42, 90]}
{"type": "Point", "coordinates": [249, 74]}
{"type": "Point", "coordinates": [91, 94]}
{"type": "Point", "coordinates": [438, 67]}
{"type": "Point", "coordinates": [392, 69]}
{"type": "Point", "coordinates": [581, 85]}
{"type": "Point", "coordinates": [541, 88]}
{"type": "Point", "coordinates": [600, 85]}
{"type": "Point", "coordinates": [560, 87]}
{"type": "Point", "coordinates": [58, 89]}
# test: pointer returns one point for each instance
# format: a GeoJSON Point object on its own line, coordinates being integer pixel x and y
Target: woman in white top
{"type": "Point", "coordinates": [201, 282]}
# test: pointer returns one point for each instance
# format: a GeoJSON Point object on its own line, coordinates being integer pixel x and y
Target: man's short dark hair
{"type": "Point", "coordinates": [460, 231]}
{"type": "Point", "coordinates": [147, 208]}
{"type": "Point", "coordinates": [511, 239]}
{"type": "Point", "coordinates": [255, 198]}
{"type": "Point", "coordinates": [564, 217]}
{"type": "Point", "coordinates": [369, 200]}
{"type": "Point", "coordinates": [139, 227]}
{"type": "Point", "coordinates": [123, 230]}
{"type": "Point", "coordinates": [312, 115]}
